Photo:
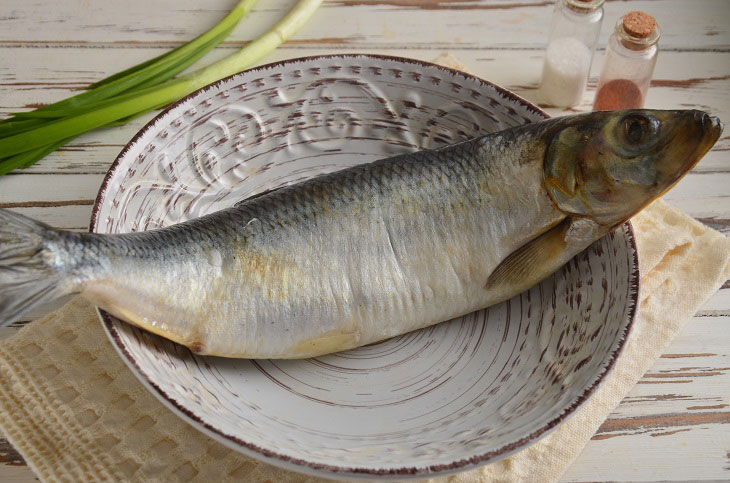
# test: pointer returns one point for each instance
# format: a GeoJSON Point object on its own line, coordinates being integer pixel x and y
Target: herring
{"type": "Point", "coordinates": [372, 251]}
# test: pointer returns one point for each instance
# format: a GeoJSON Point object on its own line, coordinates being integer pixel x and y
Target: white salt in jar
{"type": "Point", "coordinates": [573, 37]}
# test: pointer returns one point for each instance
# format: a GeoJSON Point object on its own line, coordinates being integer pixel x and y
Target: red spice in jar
{"type": "Point", "coordinates": [618, 94]}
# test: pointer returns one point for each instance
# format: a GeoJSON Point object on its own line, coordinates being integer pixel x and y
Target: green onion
{"type": "Point", "coordinates": [27, 137]}
{"type": "Point", "coordinates": [156, 70]}
{"type": "Point", "coordinates": [28, 158]}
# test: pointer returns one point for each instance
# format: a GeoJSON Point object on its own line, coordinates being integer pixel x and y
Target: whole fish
{"type": "Point", "coordinates": [372, 251]}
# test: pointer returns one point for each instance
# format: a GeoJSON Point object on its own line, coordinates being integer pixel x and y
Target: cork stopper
{"type": "Point", "coordinates": [639, 24]}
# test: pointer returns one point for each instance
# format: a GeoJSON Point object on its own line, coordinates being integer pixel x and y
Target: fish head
{"type": "Point", "coordinates": [608, 165]}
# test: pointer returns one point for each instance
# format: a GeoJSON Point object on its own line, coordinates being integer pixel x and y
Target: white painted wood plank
{"type": "Point", "coordinates": [17, 474]}
{"type": "Point", "coordinates": [696, 357]}
{"type": "Point", "coordinates": [702, 195]}
{"type": "Point", "coordinates": [684, 80]}
{"type": "Point", "coordinates": [349, 24]}
{"type": "Point", "coordinates": [719, 303]}
{"type": "Point", "coordinates": [29, 77]}
{"type": "Point", "coordinates": [12, 466]}
{"type": "Point", "coordinates": [48, 188]}
{"type": "Point", "coordinates": [674, 431]}
{"type": "Point", "coordinates": [650, 459]}
{"type": "Point", "coordinates": [73, 217]}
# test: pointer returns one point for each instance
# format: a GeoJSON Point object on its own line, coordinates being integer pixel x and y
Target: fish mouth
{"type": "Point", "coordinates": [698, 129]}
{"type": "Point", "coordinates": [711, 128]}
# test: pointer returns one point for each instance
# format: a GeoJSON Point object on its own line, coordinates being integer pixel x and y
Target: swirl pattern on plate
{"type": "Point", "coordinates": [439, 399]}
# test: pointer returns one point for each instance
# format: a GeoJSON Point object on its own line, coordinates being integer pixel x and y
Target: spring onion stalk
{"type": "Point", "coordinates": [32, 137]}
{"type": "Point", "coordinates": [154, 71]}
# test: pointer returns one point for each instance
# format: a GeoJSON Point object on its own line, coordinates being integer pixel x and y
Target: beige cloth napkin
{"type": "Point", "coordinates": [76, 413]}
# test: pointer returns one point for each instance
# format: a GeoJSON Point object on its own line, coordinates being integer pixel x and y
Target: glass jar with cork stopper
{"type": "Point", "coordinates": [628, 67]}
{"type": "Point", "coordinates": [573, 37]}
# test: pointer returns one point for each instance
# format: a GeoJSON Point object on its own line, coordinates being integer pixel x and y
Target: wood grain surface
{"type": "Point", "coordinates": [675, 424]}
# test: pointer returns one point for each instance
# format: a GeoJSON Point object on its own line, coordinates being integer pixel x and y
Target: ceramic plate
{"type": "Point", "coordinates": [442, 399]}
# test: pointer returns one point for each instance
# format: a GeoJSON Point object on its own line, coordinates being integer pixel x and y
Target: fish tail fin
{"type": "Point", "coordinates": [27, 277]}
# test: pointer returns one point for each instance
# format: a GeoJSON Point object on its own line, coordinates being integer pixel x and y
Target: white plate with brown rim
{"type": "Point", "coordinates": [442, 399]}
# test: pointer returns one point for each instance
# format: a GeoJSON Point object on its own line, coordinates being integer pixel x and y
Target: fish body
{"type": "Point", "coordinates": [369, 252]}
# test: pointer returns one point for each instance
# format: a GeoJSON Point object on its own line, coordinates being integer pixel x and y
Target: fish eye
{"type": "Point", "coordinates": [637, 129]}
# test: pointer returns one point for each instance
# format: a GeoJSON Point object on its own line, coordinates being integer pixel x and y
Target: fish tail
{"type": "Point", "coordinates": [29, 265]}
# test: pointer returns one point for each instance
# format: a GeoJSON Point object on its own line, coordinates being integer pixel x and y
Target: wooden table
{"type": "Point", "coordinates": [675, 424]}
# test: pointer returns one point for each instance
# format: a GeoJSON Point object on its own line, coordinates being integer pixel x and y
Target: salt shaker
{"type": "Point", "coordinates": [573, 36]}
{"type": "Point", "coordinates": [631, 55]}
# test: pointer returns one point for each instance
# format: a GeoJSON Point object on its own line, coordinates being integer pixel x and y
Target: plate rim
{"type": "Point", "coordinates": [313, 468]}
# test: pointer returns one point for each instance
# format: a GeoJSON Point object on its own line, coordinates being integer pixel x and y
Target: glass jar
{"type": "Point", "coordinates": [628, 67]}
{"type": "Point", "coordinates": [573, 36]}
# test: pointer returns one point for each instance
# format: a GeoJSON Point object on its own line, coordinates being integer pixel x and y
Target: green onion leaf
{"type": "Point", "coordinates": [27, 137]}
{"type": "Point", "coordinates": [28, 158]}
{"type": "Point", "coordinates": [148, 73]}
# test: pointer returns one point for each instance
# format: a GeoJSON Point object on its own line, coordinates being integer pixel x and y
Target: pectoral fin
{"type": "Point", "coordinates": [540, 257]}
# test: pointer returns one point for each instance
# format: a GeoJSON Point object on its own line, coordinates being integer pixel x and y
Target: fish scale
{"type": "Point", "coordinates": [368, 252]}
